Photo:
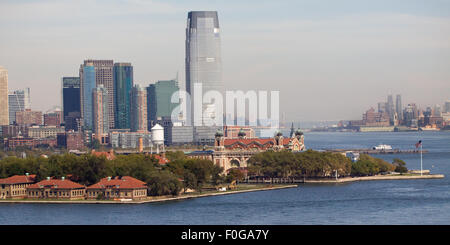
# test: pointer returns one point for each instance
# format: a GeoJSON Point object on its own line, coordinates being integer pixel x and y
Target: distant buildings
{"type": "Point", "coordinates": [44, 131]}
{"type": "Point", "coordinates": [130, 140]}
{"type": "Point", "coordinates": [159, 99]}
{"type": "Point", "coordinates": [18, 100]}
{"type": "Point", "coordinates": [53, 118]}
{"type": "Point", "coordinates": [71, 100]}
{"type": "Point", "coordinates": [4, 110]}
{"type": "Point", "coordinates": [103, 75]}
{"type": "Point", "coordinates": [29, 117]}
{"type": "Point", "coordinates": [100, 99]}
{"type": "Point", "coordinates": [87, 85]}
{"type": "Point", "coordinates": [123, 83]}
{"type": "Point", "coordinates": [399, 107]}
{"type": "Point", "coordinates": [203, 54]}
{"type": "Point", "coordinates": [138, 109]}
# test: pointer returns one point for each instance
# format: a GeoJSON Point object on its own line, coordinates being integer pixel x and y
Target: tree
{"type": "Point", "coordinates": [400, 166]}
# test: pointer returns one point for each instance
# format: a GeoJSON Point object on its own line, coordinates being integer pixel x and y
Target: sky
{"type": "Point", "coordinates": [330, 60]}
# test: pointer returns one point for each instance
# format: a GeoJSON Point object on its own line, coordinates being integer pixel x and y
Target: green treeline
{"type": "Point", "coordinates": [181, 173]}
{"type": "Point", "coordinates": [313, 164]}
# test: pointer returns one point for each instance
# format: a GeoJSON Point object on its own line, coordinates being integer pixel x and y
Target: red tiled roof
{"type": "Point", "coordinates": [161, 160]}
{"type": "Point", "coordinates": [126, 182]}
{"type": "Point", "coordinates": [19, 179]}
{"type": "Point", "coordinates": [108, 155]}
{"type": "Point", "coordinates": [228, 142]}
{"type": "Point", "coordinates": [56, 184]}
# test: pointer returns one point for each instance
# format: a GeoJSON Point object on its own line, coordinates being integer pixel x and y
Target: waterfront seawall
{"type": "Point", "coordinates": [377, 177]}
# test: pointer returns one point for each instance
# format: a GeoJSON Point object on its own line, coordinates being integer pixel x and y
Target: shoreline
{"type": "Point", "coordinates": [377, 177]}
{"type": "Point", "coordinates": [153, 199]}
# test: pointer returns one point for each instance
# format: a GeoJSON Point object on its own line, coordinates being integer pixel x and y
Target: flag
{"type": "Point", "coordinates": [418, 144]}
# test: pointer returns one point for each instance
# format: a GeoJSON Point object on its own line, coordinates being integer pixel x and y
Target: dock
{"type": "Point", "coordinates": [372, 151]}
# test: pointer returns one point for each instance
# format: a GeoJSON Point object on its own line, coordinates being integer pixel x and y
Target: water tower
{"type": "Point", "coordinates": [158, 137]}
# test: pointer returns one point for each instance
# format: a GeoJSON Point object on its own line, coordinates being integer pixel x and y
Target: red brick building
{"type": "Point", "coordinates": [16, 186]}
{"type": "Point", "coordinates": [52, 119]}
{"type": "Point", "coordinates": [56, 189]}
{"type": "Point", "coordinates": [29, 117]}
{"type": "Point", "coordinates": [124, 187]}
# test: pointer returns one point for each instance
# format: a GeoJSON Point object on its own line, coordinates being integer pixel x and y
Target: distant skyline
{"type": "Point", "coordinates": [330, 60]}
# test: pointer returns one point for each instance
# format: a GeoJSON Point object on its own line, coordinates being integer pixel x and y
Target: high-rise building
{"type": "Point", "coordinates": [390, 108]}
{"type": "Point", "coordinates": [104, 76]}
{"type": "Point", "coordinates": [159, 99]}
{"type": "Point", "coordinates": [4, 114]}
{"type": "Point", "coordinates": [70, 96]}
{"type": "Point", "coordinates": [203, 55]}
{"type": "Point", "coordinates": [87, 85]}
{"type": "Point", "coordinates": [123, 83]}
{"type": "Point", "coordinates": [399, 107]}
{"type": "Point", "coordinates": [18, 100]}
{"type": "Point", "coordinates": [381, 107]}
{"type": "Point", "coordinates": [447, 106]}
{"type": "Point", "coordinates": [138, 109]}
{"type": "Point", "coordinates": [100, 113]}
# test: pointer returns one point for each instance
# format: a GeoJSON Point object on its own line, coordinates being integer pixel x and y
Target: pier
{"type": "Point", "coordinates": [372, 151]}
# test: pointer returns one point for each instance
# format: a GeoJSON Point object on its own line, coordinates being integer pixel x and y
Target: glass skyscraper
{"type": "Point", "coordinates": [18, 100]}
{"type": "Point", "coordinates": [203, 54]}
{"type": "Point", "coordinates": [159, 99]}
{"type": "Point", "coordinates": [88, 85]}
{"type": "Point", "coordinates": [70, 95]}
{"type": "Point", "coordinates": [123, 83]}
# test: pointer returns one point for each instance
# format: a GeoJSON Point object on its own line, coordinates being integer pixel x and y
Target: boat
{"type": "Point", "coordinates": [382, 147]}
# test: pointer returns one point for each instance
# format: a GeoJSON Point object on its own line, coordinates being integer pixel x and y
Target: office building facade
{"type": "Point", "coordinates": [203, 56]}
{"type": "Point", "coordinates": [100, 113]}
{"type": "Point", "coordinates": [138, 109]}
{"type": "Point", "coordinates": [123, 82]}
{"type": "Point", "coordinates": [87, 86]}
{"type": "Point", "coordinates": [103, 70]}
{"type": "Point", "coordinates": [18, 100]}
{"type": "Point", "coordinates": [4, 110]}
{"type": "Point", "coordinates": [70, 96]}
{"type": "Point", "coordinates": [159, 99]}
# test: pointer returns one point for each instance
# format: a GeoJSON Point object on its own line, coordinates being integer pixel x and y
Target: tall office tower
{"type": "Point", "coordinates": [437, 111]}
{"type": "Point", "coordinates": [138, 109]}
{"type": "Point", "coordinates": [447, 106]}
{"type": "Point", "coordinates": [70, 96]}
{"type": "Point", "coordinates": [123, 83]}
{"type": "Point", "coordinates": [381, 107]}
{"type": "Point", "coordinates": [399, 107]}
{"type": "Point", "coordinates": [203, 55]}
{"type": "Point", "coordinates": [104, 76]}
{"type": "Point", "coordinates": [4, 114]}
{"type": "Point", "coordinates": [159, 99]}
{"type": "Point", "coordinates": [390, 109]}
{"type": "Point", "coordinates": [18, 100]}
{"type": "Point", "coordinates": [87, 85]}
{"type": "Point", "coordinates": [100, 113]}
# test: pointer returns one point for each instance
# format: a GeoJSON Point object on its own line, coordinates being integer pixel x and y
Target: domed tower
{"type": "Point", "coordinates": [299, 135]}
{"type": "Point", "coordinates": [242, 134]}
{"type": "Point", "coordinates": [219, 142]}
{"type": "Point", "coordinates": [278, 140]}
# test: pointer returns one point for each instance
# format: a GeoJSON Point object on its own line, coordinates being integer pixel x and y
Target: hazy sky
{"type": "Point", "coordinates": [330, 60]}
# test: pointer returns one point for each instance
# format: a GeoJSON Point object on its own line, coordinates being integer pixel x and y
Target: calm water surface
{"type": "Point", "coordinates": [371, 202]}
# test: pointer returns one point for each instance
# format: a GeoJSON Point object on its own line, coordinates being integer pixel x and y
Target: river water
{"type": "Point", "coordinates": [369, 202]}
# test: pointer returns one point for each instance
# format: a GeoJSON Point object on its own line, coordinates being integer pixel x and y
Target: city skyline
{"type": "Point", "coordinates": [393, 48]}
